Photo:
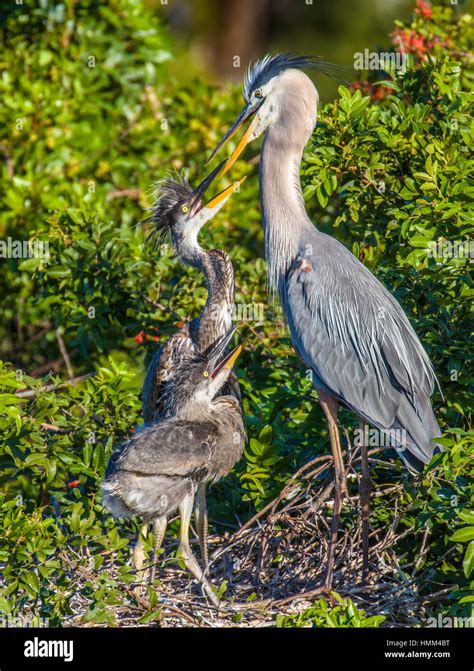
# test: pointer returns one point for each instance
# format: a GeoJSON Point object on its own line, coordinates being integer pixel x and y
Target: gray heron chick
{"type": "Point", "coordinates": [161, 468]}
{"type": "Point", "coordinates": [344, 324]}
{"type": "Point", "coordinates": [180, 214]}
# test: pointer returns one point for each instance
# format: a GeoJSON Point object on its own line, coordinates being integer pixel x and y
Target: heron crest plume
{"type": "Point", "coordinates": [270, 66]}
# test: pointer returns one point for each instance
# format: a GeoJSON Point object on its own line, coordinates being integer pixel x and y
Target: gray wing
{"type": "Point", "coordinates": [357, 340]}
{"type": "Point", "coordinates": [173, 448]}
{"type": "Point", "coordinates": [162, 368]}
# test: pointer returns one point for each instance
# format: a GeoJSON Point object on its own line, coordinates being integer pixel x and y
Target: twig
{"type": "Point", "coordinates": [90, 575]}
{"type": "Point", "coordinates": [31, 393]}
{"type": "Point", "coordinates": [64, 353]}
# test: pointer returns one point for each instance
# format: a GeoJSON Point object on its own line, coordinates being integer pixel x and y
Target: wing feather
{"type": "Point", "coordinates": [355, 336]}
{"type": "Point", "coordinates": [173, 447]}
{"type": "Point", "coordinates": [162, 368]}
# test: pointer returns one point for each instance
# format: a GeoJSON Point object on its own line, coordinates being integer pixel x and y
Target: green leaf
{"type": "Point", "coordinates": [468, 562]}
{"type": "Point", "coordinates": [463, 535]}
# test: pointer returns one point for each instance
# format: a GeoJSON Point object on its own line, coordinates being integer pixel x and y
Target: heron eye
{"type": "Point", "coordinates": [258, 93]}
{"type": "Point", "coordinates": [184, 209]}
{"type": "Point", "coordinates": [206, 373]}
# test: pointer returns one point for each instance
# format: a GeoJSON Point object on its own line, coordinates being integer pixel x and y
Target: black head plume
{"type": "Point", "coordinates": [171, 192]}
{"type": "Point", "coordinates": [269, 66]}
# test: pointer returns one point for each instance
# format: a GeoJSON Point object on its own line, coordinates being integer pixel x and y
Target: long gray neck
{"type": "Point", "coordinates": [283, 210]}
{"type": "Point", "coordinates": [216, 317]}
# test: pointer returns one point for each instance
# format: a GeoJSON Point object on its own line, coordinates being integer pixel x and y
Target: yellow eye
{"type": "Point", "coordinates": [206, 373]}
{"type": "Point", "coordinates": [184, 209]}
{"type": "Point", "coordinates": [258, 93]}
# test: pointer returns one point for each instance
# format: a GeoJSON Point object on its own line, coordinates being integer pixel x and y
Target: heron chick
{"type": "Point", "coordinates": [160, 469]}
{"type": "Point", "coordinates": [179, 213]}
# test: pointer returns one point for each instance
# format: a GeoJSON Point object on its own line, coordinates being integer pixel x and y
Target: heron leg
{"type": "Point", "coordinates": [364, 501]}
{"type": "Point", "coordinates": [159, 528]}
{"type": "Point", "coordinates": [200, 515]}
{"type": "Point", "coordinates": [329, 406]}
{"type": "Point", "coordinates": [138, 551]}
{"type": "Point", "coordinates": [191, 563]}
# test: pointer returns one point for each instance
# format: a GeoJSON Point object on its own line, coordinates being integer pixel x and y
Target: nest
{"type": "Point", "coordinates": [275, 563]}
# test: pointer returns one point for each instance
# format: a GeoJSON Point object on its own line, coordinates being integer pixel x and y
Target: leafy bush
{"type": "Point", "coordinates": [90, 119]}
{"type": "Point", "coordinates": [345, 614]}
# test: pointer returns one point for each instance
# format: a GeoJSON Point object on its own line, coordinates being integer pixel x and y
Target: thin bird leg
{"type": "Point", "coordinates": [185, 510]}
{"type": "Point", "coordinates": [329, 406]}
{"type": "Point", "coordinates": [159, 528]}
{"type": "Point", "coordinates": [364, 490]}
{"type": "Point", "coordinates": [200, 515]}
{"type": "Point", "coordinates": [138, 551]}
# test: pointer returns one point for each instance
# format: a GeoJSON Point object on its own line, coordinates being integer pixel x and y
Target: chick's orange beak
{"type": "Point", "coordinates": [225, 193]}
{"type": "Point", "coordinates": [228, 362]}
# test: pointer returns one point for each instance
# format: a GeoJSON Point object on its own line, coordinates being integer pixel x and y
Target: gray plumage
{"type": "Point", "coordinates": [347, 328]}
{"type": "Point", "coordinates": [166, 465]}
{"type": "Point", "coordinates": [345, 325]}
{"type": "Point", "coordinates": [360, 345]}
{"type": "Point", "coordinates": [166, 461]}
{"type": "Point", "coordinates": [216, 317]}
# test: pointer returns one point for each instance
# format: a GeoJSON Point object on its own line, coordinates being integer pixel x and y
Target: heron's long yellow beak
{"type": "Point", "coordinates": [248, 112]}
{"type": "Point", "coordinates": [243, 142]}
{"type": "Point", "coordinates": [225, 193]}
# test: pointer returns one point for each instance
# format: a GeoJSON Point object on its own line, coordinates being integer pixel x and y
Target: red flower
{"type": "Point", "coordinates": [409, 42]}
{"type": "Point", "coordinates": [423, 9]}
{"type": "Point", "coordinates": [142, 336]}
{"type": "Point", "coordinates": [73, 483]}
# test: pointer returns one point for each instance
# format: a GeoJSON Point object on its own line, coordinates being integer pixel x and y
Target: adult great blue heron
{"type": "Point", "coordinates": [346, 327]}
{"type": "Point", "coordinates": [161, 468]}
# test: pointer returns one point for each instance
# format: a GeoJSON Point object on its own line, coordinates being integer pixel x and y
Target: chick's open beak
{"type": "Point", "coordinates": [225, 193]}
{"type": "Point", "coordinates": [227, 362]}
{"type": "Point", "coordinates": [200, 190]}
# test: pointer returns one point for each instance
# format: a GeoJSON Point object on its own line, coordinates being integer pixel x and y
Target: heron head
{"type": "Point", "coordinates": [275, 89]}
{"type": "Point", "coordinates": [199, 378]}
{"type": "Point", "coordinates": [179, 209]}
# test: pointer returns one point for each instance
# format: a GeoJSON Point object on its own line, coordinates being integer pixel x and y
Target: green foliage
{"type": "Point", "coordinates": [90, 119]}
{"type": "Point", "coordinates": [345, 614]}
{"type": "Point", "coordinates": [445, 510]}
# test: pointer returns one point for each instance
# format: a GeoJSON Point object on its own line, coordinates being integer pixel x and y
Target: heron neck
{"type": "Point", "coordinates": [283, 212]}
{"type": "Point", "coordinates": [216, 317]}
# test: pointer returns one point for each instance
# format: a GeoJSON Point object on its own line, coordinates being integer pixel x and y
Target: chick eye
{"type": "Point", "coordinates": [258, 93]}
{"type": "Point", "coordinates": [184, 209]}
{"type": "Point", "coordinates": [206, 373]}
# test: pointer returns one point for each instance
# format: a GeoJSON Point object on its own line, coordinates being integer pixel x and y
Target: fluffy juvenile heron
{"type": "Point", "coordinates": [346, 327]}
{"type": "Point", "coordinates": [161, 468]}
{"type": "Point", "coordinates": [180, 214]}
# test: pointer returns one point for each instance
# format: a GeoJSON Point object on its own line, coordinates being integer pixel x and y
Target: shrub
{"type": "Point", "coordinates": [90, 120]}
